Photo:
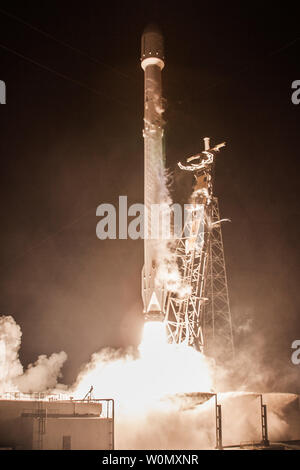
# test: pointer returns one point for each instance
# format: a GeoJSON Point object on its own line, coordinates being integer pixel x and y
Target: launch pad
{"type": "Point", "coordinates": [245, 421]}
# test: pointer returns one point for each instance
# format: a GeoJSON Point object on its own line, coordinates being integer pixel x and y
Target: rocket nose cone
{"type": "Point", "coordinates": [152, 28]}
{"type": "Point", "coordinates": [152, 42]}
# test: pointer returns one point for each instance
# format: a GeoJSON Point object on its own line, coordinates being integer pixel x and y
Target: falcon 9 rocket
{"type": "Point", "coordinates": [152, 62]}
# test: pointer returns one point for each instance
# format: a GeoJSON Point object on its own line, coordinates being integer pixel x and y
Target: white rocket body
{"type": "Point", "coordinates": [152, 62]}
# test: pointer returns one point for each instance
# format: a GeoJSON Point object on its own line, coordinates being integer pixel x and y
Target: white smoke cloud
{"type": "Point", "coordinates": [135, 379]}
{"type": "Point", "coordinates": [43, 374]}
{"type": "Point", "coordinates": [154, 409]}
{"type": "Point", "coordinates": [166, 426]}
{"type": "Point", "coordinates": [142, 383]}
{"type": "Point", "coordinates": [40, 376]}
{"type": "Point", "coordinates": [10, 341]}
{"type": "Point", "coordinates": [168, 275]}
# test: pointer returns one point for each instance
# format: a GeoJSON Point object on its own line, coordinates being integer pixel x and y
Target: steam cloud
{"type": "Point", "coordinates": [168, 275]}
{"type": "Point", "coordinates": [39, 377]}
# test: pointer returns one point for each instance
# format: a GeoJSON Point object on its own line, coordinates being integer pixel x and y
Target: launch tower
{"type": "Point", "coordinates": [201, 318]}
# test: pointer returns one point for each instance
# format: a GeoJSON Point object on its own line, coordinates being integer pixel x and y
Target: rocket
{"type": "Point", "coordinates": [152, 62]}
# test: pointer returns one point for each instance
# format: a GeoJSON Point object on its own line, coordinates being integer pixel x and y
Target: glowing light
{"type": "Point", "coordinates": [138, 379]}
{"type": "Point", "coordinates": [154, 339]}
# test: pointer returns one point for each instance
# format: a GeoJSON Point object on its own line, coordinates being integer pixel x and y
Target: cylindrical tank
{"type": "Point", "coordinates": [152, 62]}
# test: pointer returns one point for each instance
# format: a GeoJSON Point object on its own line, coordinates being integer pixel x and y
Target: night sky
{"type": "Point", "coordinates": [71, 139]}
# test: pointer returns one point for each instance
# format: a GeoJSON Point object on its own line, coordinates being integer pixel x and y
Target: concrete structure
{"type": "Point", "coordinates": [54, 424]}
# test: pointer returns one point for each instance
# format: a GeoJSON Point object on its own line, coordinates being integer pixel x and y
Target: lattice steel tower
{"type": "Point", "coordinates": [200, 315]}
{"type": "Point", "coordinates": [217, 315]}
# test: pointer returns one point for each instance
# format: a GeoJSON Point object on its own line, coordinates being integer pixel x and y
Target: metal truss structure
{"type": "Point", "coordinates": [217, 326]}
{"type": "Point", "coordinates": [199, 314]}
{"type": "Point", "coordinates": [184, 311]}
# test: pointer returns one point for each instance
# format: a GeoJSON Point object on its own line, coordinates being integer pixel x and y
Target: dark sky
{"type": "Point", "coordinates": [71, 138]}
